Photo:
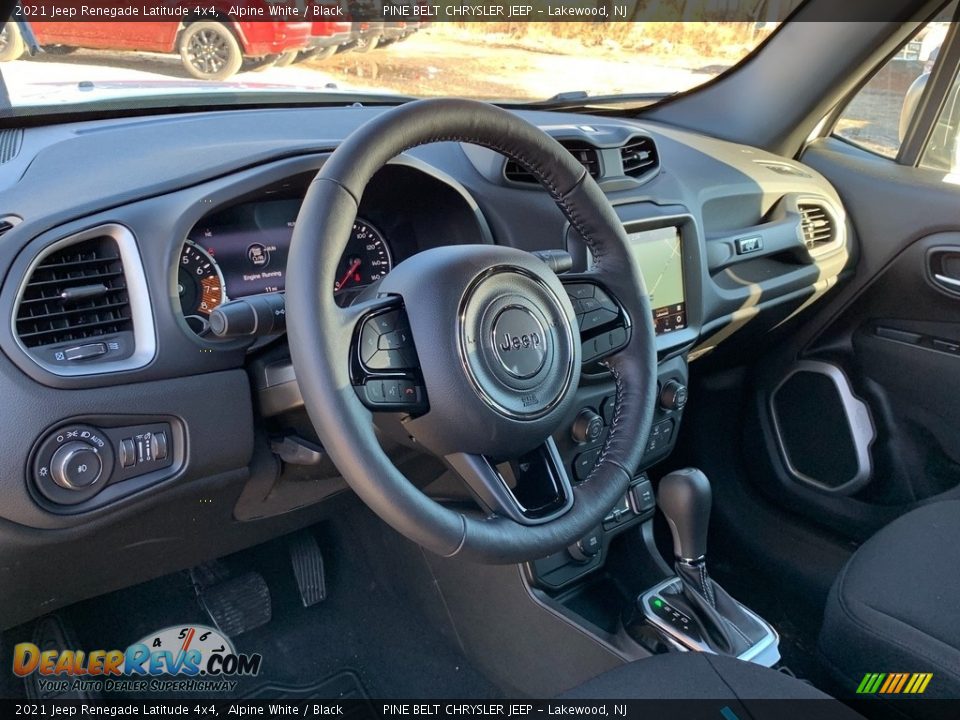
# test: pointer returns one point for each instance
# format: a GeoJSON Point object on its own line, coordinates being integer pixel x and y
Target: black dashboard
{"type": "Point", "coordinates": [120, 237]}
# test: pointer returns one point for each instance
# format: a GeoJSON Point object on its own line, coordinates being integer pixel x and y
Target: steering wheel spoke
{"type": "Point", "coordinates": [384, 367]}
{"type": "Point", "coordinates": [604, 324]}
{"type": "Point", "coordinates": [531, 490]}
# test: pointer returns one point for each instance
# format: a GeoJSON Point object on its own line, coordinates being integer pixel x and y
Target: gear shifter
{"type": "Point", "coordinates": [692, 607]}
{"type": "Point", "coordinates": [684, 498]}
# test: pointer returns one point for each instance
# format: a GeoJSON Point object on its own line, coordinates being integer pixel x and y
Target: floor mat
{"type": "Point", "coordinates": [344, 685]}
{"type": "Point", "coordinates": [389, 647]}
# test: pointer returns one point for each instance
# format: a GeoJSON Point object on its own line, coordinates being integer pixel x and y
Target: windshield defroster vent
{"type": "Point", "coordinates": [817, 226]}
{"type": "Point", "coordinates": [639, 157]}
{"type": "Point", "coordinates": [585, 154]}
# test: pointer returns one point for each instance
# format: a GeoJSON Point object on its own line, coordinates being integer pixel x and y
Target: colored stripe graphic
{"type": "Point", "coordinates": [894, 683]}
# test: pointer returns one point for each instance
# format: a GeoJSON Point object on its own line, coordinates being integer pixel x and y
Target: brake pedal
{"type": "Point", "coordinates": [308, 568]}
{"type": "Point", "coordinates": [235, 605]}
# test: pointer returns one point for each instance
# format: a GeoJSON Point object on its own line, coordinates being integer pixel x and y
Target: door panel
{"type": "Point", "coordinates": [892, 337]}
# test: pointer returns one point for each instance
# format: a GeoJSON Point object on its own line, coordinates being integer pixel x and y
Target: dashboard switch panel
{"type": "Point", "coordinates": [76, 462]}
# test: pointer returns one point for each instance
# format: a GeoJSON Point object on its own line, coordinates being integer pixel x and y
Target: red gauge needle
{"type": "Point", "coordinates": [346, 276]}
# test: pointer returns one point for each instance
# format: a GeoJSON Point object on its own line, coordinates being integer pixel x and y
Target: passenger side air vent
{"type": "Point", "coordinates": [75, 294]}
{"type": "Point", "coordinates": [639, 157]}
{"type": "Point", "coordinates": [817, 226]}
{"type": "Point", "coordinates": [585, 154]}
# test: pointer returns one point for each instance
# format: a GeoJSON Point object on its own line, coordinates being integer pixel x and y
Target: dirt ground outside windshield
{"type": "Point", "coordinates": [489, 61]}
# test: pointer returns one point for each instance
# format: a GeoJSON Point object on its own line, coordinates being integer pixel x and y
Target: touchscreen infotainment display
{"type": "Point", "coordinates": [660, 257]}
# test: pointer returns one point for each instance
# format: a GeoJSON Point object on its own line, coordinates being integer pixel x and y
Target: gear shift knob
{"type": "Point", "coordinates": [684, 498]}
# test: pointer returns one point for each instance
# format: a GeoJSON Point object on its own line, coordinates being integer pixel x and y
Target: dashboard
{"type": "Point", "coordinates": [109, 278]}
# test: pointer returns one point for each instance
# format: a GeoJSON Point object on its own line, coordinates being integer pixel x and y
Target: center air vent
{"type": "Point", "coordinates": [83, 307]}
{"type": "Point", "coordinates": [817, 226]}
{"type": "Point", "coordinates": [74, 294]}
{"type": "Point", "coordinates": [585, 154]}
{"type": "Point", "coordinates": [639, 157]}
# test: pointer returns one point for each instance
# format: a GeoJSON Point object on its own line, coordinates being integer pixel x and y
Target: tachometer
{"type": "Point", "coordinates": [200, 284]}
{"type": "Point", "coordinates": [366, 259]}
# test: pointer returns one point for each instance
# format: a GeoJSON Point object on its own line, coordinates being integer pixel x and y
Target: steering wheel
{"type": "Point", "coordinates": [475, 349]}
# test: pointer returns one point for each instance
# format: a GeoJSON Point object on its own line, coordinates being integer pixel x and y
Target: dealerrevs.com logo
{"type": "Point", "coordinates": [178, 658]}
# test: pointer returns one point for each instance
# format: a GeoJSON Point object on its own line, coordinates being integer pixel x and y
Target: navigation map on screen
{"type": "Point", "coordinates": [661, 260]}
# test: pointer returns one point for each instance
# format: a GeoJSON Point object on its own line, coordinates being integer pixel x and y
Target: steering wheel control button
{"type": "Point", "coordinates": [587, 427]}
{"type": "Point", "coordinates": [584, 462]}
{"type": "Point", "coordinates": [520, 342]}
{"type": "Point", "coordinates": [386, 343]}
{"type": "Point", "coordinates": [76, 465]}
{"type": "Point", "coordinates": [603, 325]}
{"type": "Point", "coordinates": [580, 291]}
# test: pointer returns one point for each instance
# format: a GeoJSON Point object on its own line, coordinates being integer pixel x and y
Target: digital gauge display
{"type": "Point", "coordinates": [245, 252]}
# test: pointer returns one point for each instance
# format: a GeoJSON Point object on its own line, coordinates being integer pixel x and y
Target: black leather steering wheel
{"type": "Point", "coordinates": [475, 349]}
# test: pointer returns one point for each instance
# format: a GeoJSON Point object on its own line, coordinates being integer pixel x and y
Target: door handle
{"type": "Point", "coordinates": [943, 269]}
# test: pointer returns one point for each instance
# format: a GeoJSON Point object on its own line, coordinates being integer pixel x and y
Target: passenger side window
{"type": "Point", "coordinates": [879, 115]}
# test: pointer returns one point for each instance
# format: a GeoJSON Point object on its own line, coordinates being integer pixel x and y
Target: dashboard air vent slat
{"type": "Point", "coordinates": [585, 154]}
{"type": "Point", "coordinates": [816, 225]}
{"type": "Point", "coordinates": [75, 293]}
{"type": "Point", "coordinates": [11, 140]}
{"type": "Point", "coordinates": [639, 157]}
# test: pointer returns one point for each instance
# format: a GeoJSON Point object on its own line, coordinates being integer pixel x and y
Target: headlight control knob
{"type": "Point", "coordinates": [72, 464]}
{"type": "Point", "coordinates": [76, 465]}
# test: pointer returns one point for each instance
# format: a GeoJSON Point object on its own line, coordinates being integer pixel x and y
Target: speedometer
{"type": "Point", "coordinates": [366, 259]}
{"type": "Point", "coordinates": [200, 285]}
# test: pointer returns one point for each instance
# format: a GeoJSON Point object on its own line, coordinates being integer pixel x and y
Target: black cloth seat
{"type": "Point", "coordinates": [895, 607]}
{"type": "Point", "coordinates": [693, 676]}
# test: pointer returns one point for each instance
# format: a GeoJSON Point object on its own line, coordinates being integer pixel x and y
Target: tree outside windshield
{"type": "Point", "coordinates": [68, 60]}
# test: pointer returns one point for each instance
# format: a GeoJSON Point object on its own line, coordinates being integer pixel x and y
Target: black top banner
{"type": "Point", "coordinates": [420, 11]}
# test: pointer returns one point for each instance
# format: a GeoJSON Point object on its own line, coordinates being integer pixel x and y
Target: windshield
{"type": "Point", "coordinates": [50, 63]}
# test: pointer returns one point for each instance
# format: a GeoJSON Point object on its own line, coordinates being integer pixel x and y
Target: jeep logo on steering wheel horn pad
{"type": "Point", "coordinates": [519, 341]}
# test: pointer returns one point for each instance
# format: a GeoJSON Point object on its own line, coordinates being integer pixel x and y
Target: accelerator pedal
{"type": "Point", "coordinates": [307, 563]}
{"type": "Point", "coordinates": [235, 604]}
